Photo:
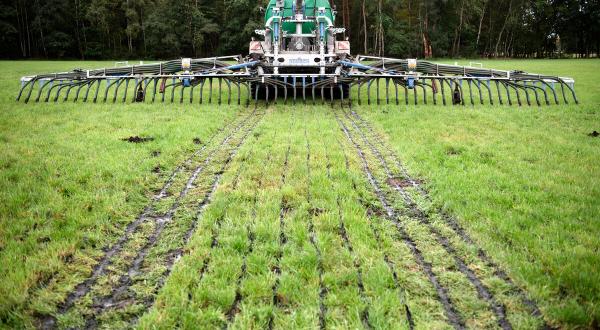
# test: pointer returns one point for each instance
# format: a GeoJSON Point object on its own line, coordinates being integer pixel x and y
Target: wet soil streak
{"type": "Point", "coordinates": [348, 245]}
{"type": "Point", "coordinates": [283, 211]}
{"type": "Point", "coordinates": [386, 258]}
{"type": "Point", "coordinates": [84, 287]}
{"type": "Point", "coordinates": [453, 223]}
{"type": "Point", "coordinates": [416, 213]}
{"type": "Point", "coordinates": [313, 241]}
{"type": "Point", "coordinates": [125, 282]}
{"type": "Point", "coordinates": [450, 311]}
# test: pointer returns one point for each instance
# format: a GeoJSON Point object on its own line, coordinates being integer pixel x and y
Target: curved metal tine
{"type": "Point", "coordinates": [39, 93]}
{"type": "Point", "coordinates": [314, 87]}
{"type": "Point", "coordinates": [202, 81]}
{"type": "Point", "coordinates": [59, 89]}
{"type": "Point", "coordinates": [210, 88]}
{"type": "Point", "coordinates": [562, 84]}
{"type": "Point", "coordinates": [52, 85]}
{"type": "Point", "coordinates": [387, 90]}
{"type": "Point", "coordinates": [424, 93]}
{"type": "Point", "coordinates": [471, 92]}
{"type": "Point", "coordinates": [239, 92]}
{"type": "Point", "coordinates": [518, 95]}
{"type": "Point", "coordinates": [323, 94]}
{"type": "Point", "coordinates": [535, 89]}
{"type": "Point", "coordinates": [331, 93]}
{"type": "Point", "coordinates": [551, 87]}
{"type": "Point", "coordinates": [135, 88]}
{"type": "Point", "coordinates": [221, 90]}
{"type": "Point", "coordinates": [31, 87]}
{"type": "Point", "coordinates": [486, 84]}
{"type": "Point", "coordinates": [69, 92]}
{"type": "Point", "coordinates": [498, 91]}
{"type": "Point", "coordinates": [415, 94]}
{"type": "Point", "coordinates": [87, 90]}
{"type": "Point", "coordinates": [433, 90]}
{"type": "Point", "coordinates": [192, 87]}
{"type": "Point", "coordinates": [341, 95]}
{"type": "Point", "coordinates": [181, 93]}
{"type": "Point", "coordinates": [304, 90]}
{"type": "Point", "coordinates": [442, 80]}
{"type": "Point", "coordinates": [478, 85]}
{"type": "Point", "coordinates": [228, 91]}
{"type": "Point", "coordinates": [276, 87]}
{"type": "Point", "coordinates": [248, 93]}
{"type": "Point", "coordinates": [294, 82]}
{"type": "Point", "coordinates": [126, 89]}
{"type": "Point", "coordinates": [267, 93]}
{"type": "Point", "coordinates": [405, 92]}
{"type": "Point", "coordinates": [360, 83]}
{"type": "Point", "coordinates": [23, 88]}
{"type": "Point", "coordinates": [256, 93]}
{"type": "Point", "coordinates": [396, 89]}
{"type": "Point", "coordinates": [285, 90]}
{"type": "Point", "coordinates": [120, 81]}
{"type": "Point", "coordinates": [369, 83]}
{"type": "Point", "coordinates": [97, 90]}
{"type": "Point", "coordinates": [377, 85]}
{"type": "Point", "coordinates": [109, 84]}
{"type": "Point", "coordinates": [174, 88]}
{"type": "Point", "coordinates": [87, 83]}
{"type": "Point", "coordinates": [508, 96]}
{"type": "Point", "coordinates": [525, 90]}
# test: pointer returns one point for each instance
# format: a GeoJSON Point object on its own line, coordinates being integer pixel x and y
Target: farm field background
{"type": "Point", "coordinates": [300, 216]}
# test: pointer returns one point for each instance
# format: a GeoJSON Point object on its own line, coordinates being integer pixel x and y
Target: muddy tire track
{"type": "Point", "coordinates": [379, 240]}
{"type": "Point", "coordinates": [423, 218]}
{"type": "Point", "coordinates": [450, 221]}
{"type": "Point", "coordinates": [147, 214]}
{"type": "Point", "coordinates": [312, 236]}
{"type": "Point", "coordinates": [452, 315]}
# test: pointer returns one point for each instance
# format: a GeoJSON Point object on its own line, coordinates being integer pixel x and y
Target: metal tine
{"type": "Point", "coordinates": [87, 90]}
{"type": "Point", "coordinates": [537, 98]}
{"type": "Point", "coordinates": [323, 93]}
{"type": "Point", "coordinates": [23, 88]}
{"type": "Point", "coordinates": [119, 82]}
{"type": "Point", "coordinates": [181, 93]}
{"type": "Point", "coordinates": [360, 83]}
{"type": "Point", "coordinates": [508, 96]}
{"type": "Point", "coordinates": [126, 89]}
{"type": "Point", "coordinates": [256, 93]}
{"type": "Point", "coordinates": [221, 90]}
{"type": "Point", "coordinates": [571, 89]}
{"type": "Point", "coordinates": [294, 82]}
{"type": "Point", "coordinates": [109, 84]}
{"type": "Point", "coordinates": [415, 94]}
{"type": "Point", "coordinates": [341, 94]}
{"type": "Point", "coordinates": [387, 90]}
{"type": "Point", "coordinates": [239, 92]}
{"type": "Point", "coordinates": [135, 88]}
{"type": "Point", "coordinates": [192, 87]}
{"type": "Point", "coordinates": [498, 92]}
{"type": "Point", "coordinates": [228, 83]}
{"type": "Point", "coordinates": [478, 85]}
{"type": "Point", "coordinates": [314, 87]}
{"type": "Point", "coordinates": [97, 90]}
{"type": "Point", "coordinates": [471, 92]}
{"type": "Point", "coordinates": [331, 93]}
{"type": "Point", "coordinates": [173, 87]}
{"type": "Point", "coordinates": [249, 94]}
{"type": "Point", "coordinates": [31, 86]}
{"type": "Point", "coordinates": [433, 90]}
{"type": "Point", "coordinates": [276, 90]}
{"type": "Point", "coordinates": [210, 88]}
{"type": "Point", "coordinates": [424, 93]}
{"type": "Point", "coordinates": [543, 89]}
{"type": "Point", "coordinates": [60, 87]}
{"type": "Point", "coordinates": [518, 95]}
{"type": "Point", "coordinates": [79, 90]}
{"type": "Point", "coordinates": [369, 83]}
{"type": "Point", "coordinates": [68, 92]}
{"type": "Point", "coordinates": [487, 84]}
{"type": "Point", "coordinates": [551, 87]}
{"type": "Point", "coordinates": [285, 90]}
{"type": "Point", "coordinates": [443, 90]}
{"type": "Point", "coordinates": [462, 94]}
{"type": "Point", "coordinates": [51, 83]}
{"type": "Point", "coordinates": [377, 85]}
{"type": "Point", "coordinates": [526, 91]}
{"type": "Point", "coordinates": [267, 93]}
{"type": "Point", "coordinates": [405, 93]}
{"type": "Point", "coordinates": [396, 89]}
{"type": "Point", "coordinates": [304, 90]}
{"type": "Point", "coordinates": [202, 82]}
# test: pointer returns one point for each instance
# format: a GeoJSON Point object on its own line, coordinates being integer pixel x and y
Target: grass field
{"type": "Point", "coordinates": [300, 217]}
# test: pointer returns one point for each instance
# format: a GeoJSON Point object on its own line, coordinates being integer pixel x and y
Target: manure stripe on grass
{"type": "Point", "coordinates": [379, 239]}
{"type": "Point", "coordinates": [450, 221]}
{"type": "Point", "coordinates": [126, 280]}
{"type": "Point", "coordinates": [417, 214]}
{"type": "Point", "coordinates": [452, 315]}
{"type": "Point", "coordinates": [313, 241]}
{"type": "Point", "coordinates": [84, 287]}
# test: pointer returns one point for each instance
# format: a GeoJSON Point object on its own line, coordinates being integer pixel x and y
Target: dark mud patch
{"type": "Point", "coordinates": [138, 139]}
{"type": "Point", "coordinates": [594, 134]}
{"type": "Point", "coordinates": [403, 183]}
{"type": "Point", "coordinates": [155, 153]}
{"type": "Point", "coordinates": [453, 151]}
{"type": "Point", "coordinates": [316, 211]}
{"type": "Point", "coordinates": [197, 141]}
{"type": "Point", "coordinates": [156, 170]}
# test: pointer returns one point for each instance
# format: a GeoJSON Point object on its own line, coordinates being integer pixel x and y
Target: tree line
{"type": "Point", "coordinates": [162, 29]}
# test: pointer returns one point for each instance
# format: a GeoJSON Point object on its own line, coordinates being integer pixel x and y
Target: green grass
{"type": "Point", "coordinates": [523, 182]}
